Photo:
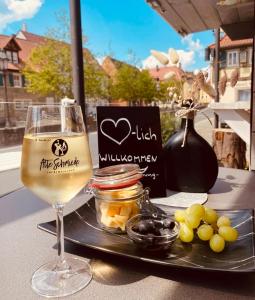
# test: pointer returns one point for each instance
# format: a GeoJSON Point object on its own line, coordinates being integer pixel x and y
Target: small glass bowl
{"type": "Point", "coordinates": [153, 241]}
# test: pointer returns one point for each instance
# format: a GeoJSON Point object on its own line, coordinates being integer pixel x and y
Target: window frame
{"type": "Point", "coordinates": [243, 89]}
{"type": "Point", "coordinates": [15, 61]}
{"type": "Point", "coordinates": [9, 55]}
{"type": "Point", "coordinates": [22, 104]}
{"type": "Point", "coordinates": [14, 81]}
{"type": "Point", "coordinates": [231, 52]}
{"type": "Point", "coordinates": [2, 78]}
{"type": "Point", "coordinates": [243, 56]}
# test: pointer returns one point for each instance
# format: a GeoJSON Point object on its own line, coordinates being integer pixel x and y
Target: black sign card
{"type": "Point", "coordinates": [132, 135]}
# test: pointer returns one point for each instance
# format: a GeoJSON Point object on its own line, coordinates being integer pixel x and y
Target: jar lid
{"type": "Point", "coordinates": [117, 176]}
{"type": "Point", "coordinates": [122, 193]}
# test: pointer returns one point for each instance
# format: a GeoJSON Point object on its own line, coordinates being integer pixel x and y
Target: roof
{"type": "Point", "coordinates": [13, 67]}
{"type": "Point", "coordinates": [90, 59]}
{"type": "Point", "coordinates": [4, 40]}
{"type": "Point", "coordinates": [7, 40]}
{"type": "Point", "coordinates": [27, 41]}
{"type": "Point", "coordinates": [35, 38]}
{"type": "Point", "coordinates": [25, 45]}
{"type": "Point", "coordinates": [112, 65]}
{"type": "Point", "coordinates": [26, 48]}
{"type": "Point", "coordinates": [226, 42]}
{"type": "Point", "coordinates": [118, 64]}
{"type": "Point", "coordinates": [161, 72]}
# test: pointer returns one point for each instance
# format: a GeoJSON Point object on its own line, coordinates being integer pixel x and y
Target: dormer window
{"type": "Point", "coordinates": [9, 55]}
{"type": "Point", "coordinates": [15, 57]}
{"type": "Point", "coordinates": [12, 56]}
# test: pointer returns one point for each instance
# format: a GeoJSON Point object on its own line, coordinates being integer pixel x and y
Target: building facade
{"type": "Point", "coordinates": [235, 58]}
{"type": "Point", "coordinates": [12, 82]}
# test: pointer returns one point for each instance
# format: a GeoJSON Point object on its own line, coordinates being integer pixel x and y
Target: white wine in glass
{"type": "Point", "coordinates": [56, 165]}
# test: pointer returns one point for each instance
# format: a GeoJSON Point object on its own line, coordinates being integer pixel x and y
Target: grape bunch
{"type": "Point", "coordinates": [207, 225]}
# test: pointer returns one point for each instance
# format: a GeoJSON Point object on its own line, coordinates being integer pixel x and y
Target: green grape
{"type": "Point", "coordinates": [186, 234]}
{"type": "Point", "coordinates": [217, 243]}
{"type": "Point", "coordinates": [205, 232]}
{"type": "Point", "coordinates": [197, 210]}
{"type": "Point", "coordinates": [223, 221]}
{"type": "Point", "coordinates": [192, 221]}
{"type": "Point", "coordinates": [228, 233]}
{"type": "Point", "coordinates": [179, 215]}
{"type": "Point", "coordinates": [210, 215]}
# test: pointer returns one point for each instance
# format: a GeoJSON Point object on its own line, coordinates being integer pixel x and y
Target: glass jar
{"type": "Point", "coordinates": [118, 194]}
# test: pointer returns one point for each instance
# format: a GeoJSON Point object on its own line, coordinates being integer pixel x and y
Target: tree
{"type": "Point", "coordinates": [48, 70]}
{"type": "Point", "coordinates": [96, 82]}
{"type": "Point", "coordinates": [146, 86]}
{"type": "Point", "coordinates": [168, 89]}
{"type": "Point", "coordinates": [133, 85]}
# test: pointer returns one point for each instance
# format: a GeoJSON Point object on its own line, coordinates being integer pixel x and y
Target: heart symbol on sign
{"type": "Point", "coordinates": [122, 122]}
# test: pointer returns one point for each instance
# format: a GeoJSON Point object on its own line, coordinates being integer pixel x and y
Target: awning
{"type": "Point", "coordinates": [235, 17]}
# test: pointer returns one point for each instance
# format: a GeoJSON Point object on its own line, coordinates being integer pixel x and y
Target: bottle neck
{"type": "Point", "coordinates": [190, 124]}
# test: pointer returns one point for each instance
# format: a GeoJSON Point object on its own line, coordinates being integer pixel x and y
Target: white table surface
{"type": "Point", "coordinates": [23, 248]}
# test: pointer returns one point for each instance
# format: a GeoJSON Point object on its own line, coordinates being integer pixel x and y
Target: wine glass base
{"type": "Point", "coordinates": [48, 282]}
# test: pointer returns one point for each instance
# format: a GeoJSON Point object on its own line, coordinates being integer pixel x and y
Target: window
{"type": "Point", "coordinates": [17, 80]}
{"type": "Point", "coordinates": [15, 57]}
{"type": "Point", "coordinates": [12, 56]}
{"type": "Point", "coordinates": [18, 105]}
{"type": "Point", "coordinates": [9, 55]}
{"type": "Point", "coordinates": [22, 104]}
{"type": "Point", "coordinates": [244, 95]}
{"type": "Point", "coordinates": [232, 59]}
{"type": "Point", "coordinates": [26, 104]}
{"type": "Point", "coordinates": [243, 57]}
{"type": "Point", "coordinates": [223, 58]}
{"type": "Point", "coordinates": [1, 79]}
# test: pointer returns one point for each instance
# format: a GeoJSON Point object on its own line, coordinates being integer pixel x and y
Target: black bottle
{"type": "Point", "coordinates": [190, 162]}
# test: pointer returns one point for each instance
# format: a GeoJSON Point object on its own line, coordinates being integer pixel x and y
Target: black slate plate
{"type": "Point", "coordinates": [81, 227]}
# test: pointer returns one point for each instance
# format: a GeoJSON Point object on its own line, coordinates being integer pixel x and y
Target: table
{"type": "Point", "coordinates": [24, 248]}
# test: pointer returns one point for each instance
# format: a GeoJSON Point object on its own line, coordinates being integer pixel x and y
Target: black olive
{"type": "Point", "coordinates": [156, 231]}
{"type": "Point", "coordinates": [150, 224]}
{"type": "Point", "coordinates": [142, 227]}
{"type": "Point", "coordinates": [158, 223]}
{"type": "Point", "coordinates": [172, 225]}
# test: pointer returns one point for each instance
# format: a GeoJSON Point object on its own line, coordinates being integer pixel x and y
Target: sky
{"type": "Point", "coordinates": [127, 30]}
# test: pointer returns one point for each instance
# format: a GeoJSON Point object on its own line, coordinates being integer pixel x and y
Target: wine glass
{"type": "Point", "coordinates": [56, 165]}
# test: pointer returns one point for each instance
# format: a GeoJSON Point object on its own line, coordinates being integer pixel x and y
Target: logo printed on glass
{"type": "Point", "coordinates": [59, 147]}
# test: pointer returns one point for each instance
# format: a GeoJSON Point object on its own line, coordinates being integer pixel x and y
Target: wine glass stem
{"type": "Point", "coordinates": [61, 264]}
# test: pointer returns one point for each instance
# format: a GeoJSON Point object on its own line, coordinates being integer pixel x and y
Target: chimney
{"type": "Point", "coordinates": [24, 27]}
